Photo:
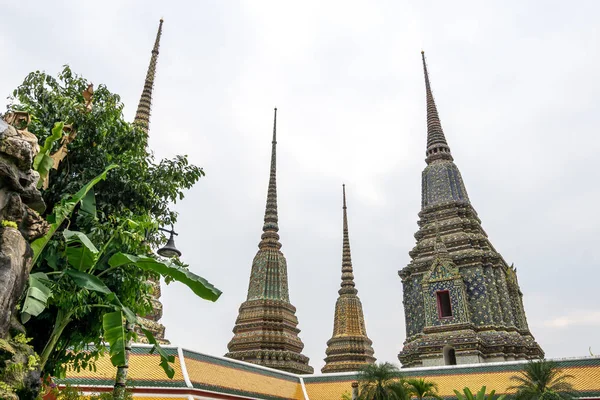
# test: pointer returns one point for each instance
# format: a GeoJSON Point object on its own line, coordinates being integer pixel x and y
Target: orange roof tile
{"type": "Point", "coordinates": [200, 375]}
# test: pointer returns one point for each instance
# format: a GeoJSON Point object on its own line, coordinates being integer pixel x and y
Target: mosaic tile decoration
{"type": "Point", "coordinates": [453, 253]}
{"type": "Point", "coordinates": [266, 331]}
{"type": "Point", "coordinates": [349, 348]}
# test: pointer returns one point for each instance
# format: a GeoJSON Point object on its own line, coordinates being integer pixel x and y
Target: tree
{"type": "Point", "coordinates": [420, 388]}
{"type": "Point", "coordinates": [129, 205]}
{"type": "Point", "coordinates": [83, 270]}
{"type": "Point", "coordinates": [468, 395]}
{"type": "Point", "coordinates": [542, 380]}
{"type": "Point", "coordinates": [380, 382]}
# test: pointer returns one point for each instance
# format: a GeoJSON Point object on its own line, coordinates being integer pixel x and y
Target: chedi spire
{"type": "Point", "coordinates": [462, 302]}
{"type": "Point", "coordinates": [437, 147]}
{"type": "Point", "coordinates": [265, 331]}
{"type": "Point", "coordinates": [348, 286]}
{"type": "Point", "coordinates": [142, 122]}
{"type": "Point", "coordinates": [270, 236]}
{"type": "Point", "coordinates": [142, 115]}
{"type": "Point", "coordinates": [349, 349]}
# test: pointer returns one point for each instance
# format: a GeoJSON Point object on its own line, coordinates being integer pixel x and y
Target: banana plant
{"type": "Point", "coordinates": [64, 210]}
{"type": "Point", "coordinates": [81, 270]}
{"type": "Point", "coordinates": [468, 395]}
{"type": "Point", "coordinates": [37, 292]}
{"type": "Point", "coordinates": [82, 257]}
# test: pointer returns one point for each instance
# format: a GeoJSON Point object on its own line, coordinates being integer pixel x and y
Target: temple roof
{"type": "Point", "coordinates": [198, 374]}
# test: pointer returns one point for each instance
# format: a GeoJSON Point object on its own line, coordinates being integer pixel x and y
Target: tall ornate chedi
{"type": "Point", "coordinates": [265, 331]}
{"type": "Point", "coordinates": [349, 349]}
{"type": "Point", "coordinates": [142, 122]}
{"type": "Point", "coordinates": [462, 302]}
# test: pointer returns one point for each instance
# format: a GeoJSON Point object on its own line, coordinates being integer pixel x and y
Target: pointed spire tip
{"type": "Point", "coordinates": [437, 146]}
{"type": "Point", "coordinates": [142, 114]}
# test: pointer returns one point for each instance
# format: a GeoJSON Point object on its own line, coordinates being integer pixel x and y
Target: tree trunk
{"type": "Point", "coordinates": [61, 322]}
{"type": "Point", "coordinates": [121, 378]}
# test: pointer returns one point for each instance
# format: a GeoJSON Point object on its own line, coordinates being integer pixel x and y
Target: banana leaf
{"type": "Point", "coordinates": [63, 211]}
{"type": "Point", "coordinates": [114, 335]}
{"type": "Point", "coordinates": [199, 285]}
{"type": "Point", "coordinates": [81, 252]}
{"type": "Point", "coordinates": [165, 359]}
{"type": "Point", "coordinates": [37, 296]}
{"type": "Point", "coordinates": [42, 163]}
{"type": "Point", "coordinates": [87, 281]}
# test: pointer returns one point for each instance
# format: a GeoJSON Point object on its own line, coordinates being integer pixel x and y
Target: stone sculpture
{"type": "Point", "coordinates": [20, 207]}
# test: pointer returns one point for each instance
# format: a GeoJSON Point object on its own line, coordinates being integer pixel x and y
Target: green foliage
{"type": "Point", "coordinates": [33, 361]}
{"type": "Point", "coordinates": [141, 185]}
{"type": "Point", "coordinates": [114, 334]}
{"type": "Point", "coordinates": [81, 251]}
{"type": "Point", "coordinates": [64, 211]}
{"type": "Point", "coordinates": [118, 213]}
{"type": "Point", "coordinates": [36, 297]}
{"type": "Point", "coordinates": [21, 339]}
{"type": "Point", "coordinates": [19, 368]}
{"type": "Point", "coordinates": [69, 393]}
{"type": "Point", "coordinates": [542, 380]}
{"type": "Point", "coordinates": [200, 286]}
{"type": "Point", "coordinates": [380, 382]}
{"type": "Point", "coordinates": [73, 393]}
{"type": "Point", "coordinates": [86, 257]}
{"type": "Point", "coordinates": [43, 163]}
{"type": "Point", "coordinates": [6, 388]}
{"type": "Point", "coordinates": [468, 395]}
{"type": "Point", "coordinates": [9, 224]}
{"type": "Point", "coordinates": [421, 388]}
{"type": "Point", "coordinates": [165, 359]}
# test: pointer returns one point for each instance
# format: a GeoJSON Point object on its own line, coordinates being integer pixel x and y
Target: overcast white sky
{"type": "Point", "coordinates": [517, 88]}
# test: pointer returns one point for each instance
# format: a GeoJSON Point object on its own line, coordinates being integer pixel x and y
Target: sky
{"type": "Point", "coordinates": [518, 93]}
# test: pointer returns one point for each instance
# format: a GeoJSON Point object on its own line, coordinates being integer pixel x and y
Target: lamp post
{"type": "Point", "coordinates": [169, 250]}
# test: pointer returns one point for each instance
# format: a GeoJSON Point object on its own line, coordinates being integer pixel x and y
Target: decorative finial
{"type": "Point", "coordinates": [347, 271]}
{"type": "Point", "coordinates": [437, 147]}
{"type": "Point", "coordinates": [275, 126]}
{"type": "Point", "coordinates": [142, 115]}
{"type": "Point", "coordinates": [270, 237]}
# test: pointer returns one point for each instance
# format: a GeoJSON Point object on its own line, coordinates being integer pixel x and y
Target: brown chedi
{"type": "Point", "coordinates": [349, 349]}
{"type": "Point", "coordinates": [265, 331]}
{"type": "Point", "coordinates": [142, 122]}
{"type": "Point", "coordinates": [462, 301]}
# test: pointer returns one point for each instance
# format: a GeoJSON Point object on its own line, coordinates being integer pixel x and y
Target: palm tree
{"type": "Point", "coordinates": [468, 395]}
{"type": "Point", "coordinates": [421, 388]}
{"type": "Point", "coordinates": [542, 380]}
{"type": "Point", "coordinates": [380, 382]}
